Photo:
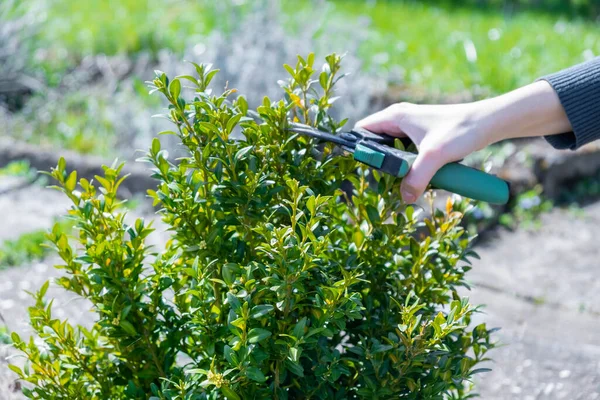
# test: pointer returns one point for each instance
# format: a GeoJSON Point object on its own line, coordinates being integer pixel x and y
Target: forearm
{"type": "Point", "coordinates": [533, 110]}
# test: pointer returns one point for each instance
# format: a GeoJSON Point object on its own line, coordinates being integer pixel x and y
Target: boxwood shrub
{"type": "Point", "coordinates": [280, 280]}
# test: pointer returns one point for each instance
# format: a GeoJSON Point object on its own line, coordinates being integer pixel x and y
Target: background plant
{"type": "Point", "coordinates": [275, 283]}
{"type": "Point", "coordinates": [98, 103]}
{"type": "Point", "coordinates": [28, 247]}
{"type": "Point", "coordinates": [85, 101]}
{"type": "Point", "coordinates": [18, 23]}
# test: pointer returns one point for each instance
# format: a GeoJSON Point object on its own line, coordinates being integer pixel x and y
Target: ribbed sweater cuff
{"type": "Point", "coordinates": [578, 89]}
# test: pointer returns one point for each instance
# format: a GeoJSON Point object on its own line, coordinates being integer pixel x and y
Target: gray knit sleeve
{"type": "Point", "coordinates": [578, 89]}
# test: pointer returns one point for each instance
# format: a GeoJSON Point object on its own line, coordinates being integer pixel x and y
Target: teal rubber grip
{"type": "Point", "coordinates": [472, 183]}
{"type": "Point", "coordinates": [368, 156]}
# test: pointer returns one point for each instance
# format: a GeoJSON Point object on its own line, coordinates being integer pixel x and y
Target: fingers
{"type": "Point", "coordinates": [416, 126]}
{"type": "Point", "coordinates": [423, 169]}
{"type": "Point", "coordinates": [384, 121]}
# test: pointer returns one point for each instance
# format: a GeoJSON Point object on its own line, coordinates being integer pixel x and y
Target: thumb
{"type": "Point", "coordinates": [422, 170]}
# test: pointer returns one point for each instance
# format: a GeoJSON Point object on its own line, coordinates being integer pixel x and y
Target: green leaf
{"type": "Point", "coordinates": [480, 370]}
{"type": "Point", "coordinates": [128, 327]}
{"type": "Point", "coordinates": [290, 70]}
{"type": "Point", "coordinates": [15, 369]}
{"type": "Point", "coordinates": [373, 214]}
{"type": "Point", "coordinates": [314, 331]}
{"type": "Point", "coordinates": [155, 146]}
{"type": "Point", "coordinates": [209, 76]}
{"type": "Point", "coordinates": [233, 122]}
{"type": "Point", "coordinates": [208, 127]}
{"type": "Point", "coordinates": [242, 152]}
{"type": "Point", "coordinates": [323, 79]}
{"type": "Point", "coordinates": [299, 328]}
{"type": "Point", "coordinates": [261, 310]}
{"type": "Point", "coordinates": [62, 164]}
{"type": "Point", "coordinates": [242, 104]}
{"type": "Point", "coordinates": [230, 355]}
{"type": "Point", "coordinates": [257, 335]}
{"type": "Point", "coordinates": [415, 248]}
{"type": "Point", "coordinates": [229, 393]}
{"type": "Point", "coordinates": [175, 88]}
{"type": "Point", "coordinates": [44, 289]}
{"type": "Point", "coordinates": [294, 367]}
{"type": "Point", "coordinates": [294, 354]}
{"type": "Point", "coordinates": [233, 301]}
{"type": "Point", "coordinates": [189, 78]}
{"type": "Point", "coordinates": [399, 145]}
{"type": "Point", "coordinates": [71, 182]}
{"type": "Point", "coordinates": [439, 318]}
{"type": "Point", "coordinates": [255, 374]}
{"type": "Point", "coordinates": [380, 348]}
{"type": "Point", "coordinates": [196, 371]}
{"type": "Point", "coordinates": [228, 271]}
{"type": "Point", "coordinates": [311, 205]}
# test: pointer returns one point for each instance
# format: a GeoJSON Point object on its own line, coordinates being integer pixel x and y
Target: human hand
{"type": "Point", "coordinates": [447, 133]}
{"type": "Point", "coordinates": [442, 133]}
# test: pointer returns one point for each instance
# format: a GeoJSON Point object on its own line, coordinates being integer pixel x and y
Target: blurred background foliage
{"type": "Point", "coordinates": [72, 71]}
{"type": "Point", "coordinates": [580, 8]}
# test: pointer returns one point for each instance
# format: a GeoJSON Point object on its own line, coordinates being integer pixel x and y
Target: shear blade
{"type": "Point", "coordinates": [318, 134]}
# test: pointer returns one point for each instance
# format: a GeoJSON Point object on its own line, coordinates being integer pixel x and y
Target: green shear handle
{"type": "Point", "coordinates": [472, 183]}
{"type": "Point", "coordinates": [453, 177]}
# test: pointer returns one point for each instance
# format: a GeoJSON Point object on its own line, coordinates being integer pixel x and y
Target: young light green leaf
{"type": "Point", "coordinates": [175, 88]}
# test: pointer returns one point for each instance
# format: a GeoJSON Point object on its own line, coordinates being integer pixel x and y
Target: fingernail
{"type": "Point", "coordinates": [408, 196]}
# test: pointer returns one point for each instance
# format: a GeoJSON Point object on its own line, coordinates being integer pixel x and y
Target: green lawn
{"type": "Point", "coordinates": [117, 26]}
{"type": "Point", "coordinates": [449, 50]}
{"type": "Point", "coordinates": [442, 50]}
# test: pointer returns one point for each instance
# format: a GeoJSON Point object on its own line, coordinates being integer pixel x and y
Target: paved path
{"type": "Point", "coordinates": [541, 286]}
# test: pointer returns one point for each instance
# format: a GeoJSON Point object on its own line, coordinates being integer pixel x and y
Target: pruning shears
{"type": "Point", "coordinates": [378, 151]}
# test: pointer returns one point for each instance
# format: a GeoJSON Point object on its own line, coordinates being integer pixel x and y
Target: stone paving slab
{"type": "Point", "coordinates": [44, 158]}
{"type": "Point", "coordinates": [544, 353]}
{"type": "Point", "coordinates": [558, 263]}
{"type": "Point", "coordinates": [14, 282]}
{"type": "Point", "coordinates": [529, 369]}
{"type": "Point", "coordinates": [8, 385]}
{"type": "Point", "coordinates": [29, 209]}
{"type": "Point", "coordinates": [10, 183]}
{"type": "Point", "coordinates": [542, 286]}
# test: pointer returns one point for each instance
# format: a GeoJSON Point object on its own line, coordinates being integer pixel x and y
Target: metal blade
{"type": "Point", "coordinates": [318, 134]}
